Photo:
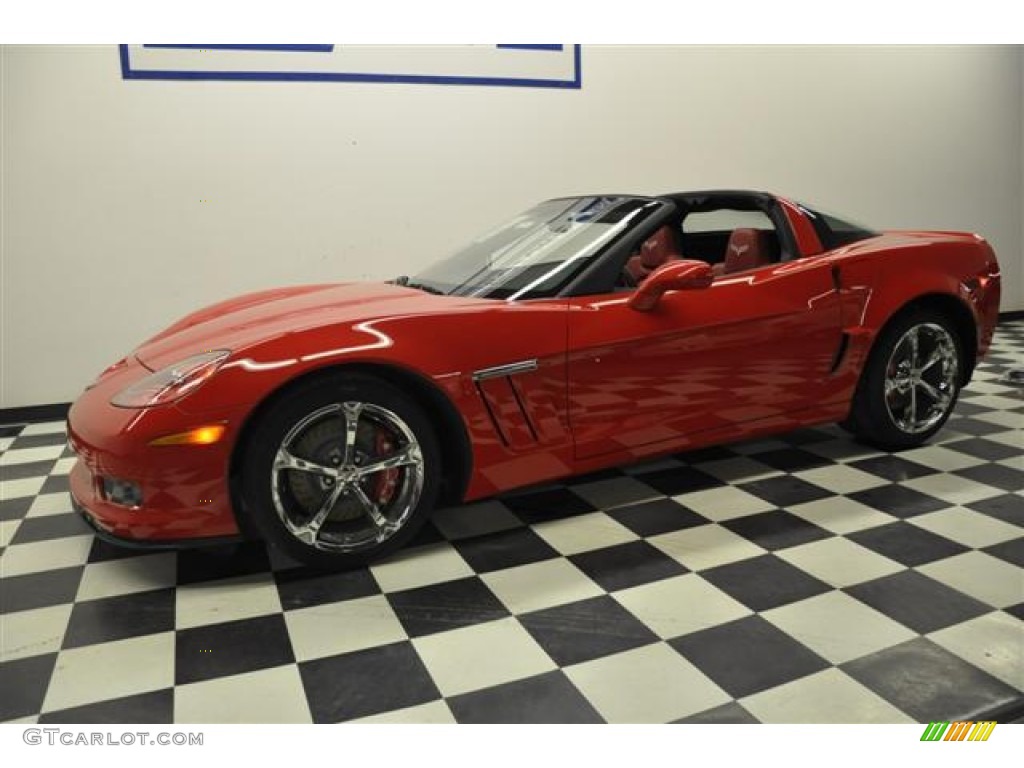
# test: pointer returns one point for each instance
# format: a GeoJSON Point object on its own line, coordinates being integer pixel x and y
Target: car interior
{"type": "Point", "coordinates": [733, 236]}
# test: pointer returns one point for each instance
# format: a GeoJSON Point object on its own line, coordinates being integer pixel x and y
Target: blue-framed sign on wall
{"type": "Point", "coordinates": [520, 65]}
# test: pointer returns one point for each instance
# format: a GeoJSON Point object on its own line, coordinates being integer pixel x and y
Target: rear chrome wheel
{"type": "Point", "coordinates": [910, 383]}
{"type": "Point", "coordinates": [342, 470]}
{"type": "Point", "coordinates": [921, 378]}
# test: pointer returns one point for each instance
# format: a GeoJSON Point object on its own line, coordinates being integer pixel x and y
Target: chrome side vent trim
{"type": "Point", "coordinates": [511, 369]}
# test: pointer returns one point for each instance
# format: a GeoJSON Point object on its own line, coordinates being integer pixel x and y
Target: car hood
{"type": "Point", "coordinates": [256, 317]}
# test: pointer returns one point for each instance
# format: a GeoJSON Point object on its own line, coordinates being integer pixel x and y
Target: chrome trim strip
{"type": "Point", "coordinates": [511, 369]}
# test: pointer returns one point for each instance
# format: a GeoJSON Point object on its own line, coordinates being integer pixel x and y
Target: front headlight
{"type": "Point", "coordinates": [172, 383]}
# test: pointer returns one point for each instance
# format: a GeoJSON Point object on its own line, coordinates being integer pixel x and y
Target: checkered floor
{"type": "Point", "coordinates": [802, 579]}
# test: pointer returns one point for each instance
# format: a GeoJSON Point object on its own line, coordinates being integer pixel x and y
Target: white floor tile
{"type": "Point", "coordinates": [652, 684]}
{"type": "Point", "coordinates": [726, 503]}
{"type": "Point", "coordinates": [680, 605]}
{"type": "Point", "coordinates": [271, 695]}
{"type": "Point", "coordinates": [19, 559]}
{"type": "Point", "coordinates": [967, 527]}
{"type": "Point", "coordinates": [829, 696]}
{"type": "Point", "coordinates": [839, 562]}
{"type": "Point", "coordinates": [953, 488]}
{"type": "Point", "coordinates": [128, 575]}
{"type": "Point", "coordinates": [111, 670]}
{"type": "Point", "coordinates": [34, 632]}
{"type": "Point", "coordinates": [50, 504]}
{"type": "Point", "coordinates": [841, 515]}
{"type": "Point", "coordinates": [841, 478]}
{"type": "Point", "coordinates": [535, 586]}
{"type": "Point", "coordinates": [418, 567]}
{"type": "Point", "coordinates": [335, 628]}
{"type": "Point", "coordinates": [214, 602]}
{"type": "Point", "coordinates": [981, 576]}
{"type": "Point", "coordinates": [28, 455]}
{"type": "Point", "coordinates": [838, 627]}
{"type": "Point", "coordinates": [706, 546]}
{"type": "Point", "coordinates": [434, 712]}
{"type": "Point", "coordinates": [583, 533]}
{"type": "Point", "coordinates": [482, 655]}
{"type": "Point", "coordinates": [993, 642]}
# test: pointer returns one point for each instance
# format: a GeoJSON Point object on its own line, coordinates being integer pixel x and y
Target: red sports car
{"type": "Point", "coordinates": [330, 420]}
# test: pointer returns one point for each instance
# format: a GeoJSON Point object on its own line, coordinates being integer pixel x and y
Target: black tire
{"type": "Point", "coordinates": [281, 500]}
{"type": "Point", "coordinates": [872, 418]}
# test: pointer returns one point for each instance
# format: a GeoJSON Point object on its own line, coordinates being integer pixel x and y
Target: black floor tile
{"type": "Point", "coordinates": [732, 713]}
{"type": "Point", "coordinates": [776, 530]}
{"type": "Point", "coordinates": [444, 606]}
{"type": "Point", "coordinates": [749, 655]}
{"type": "Point", "coordinates": [1010, 551]}
{"type": "Point", "coordinates": [650, 518]}
{"type": "Point", "coordinates": [585, 630]}
{"type": "Point", "coordinates": [549, 698]}
{"type": "Point", "coordinates": [15, 509]}
{"type": "Point", "coordinates": [55, 484]}
{"type": "Point", "coordinates": [218, 650]}
{"type": "Point", "coordinates": [155, 707]}
{"type": "Point", "coordinates": [117, 618]}
{"type": "Point", "coordinates": [704, 455]}
{"type": "Point", "coordinates": [785, 491]}
{"type": "Point", "coordinates": [996, 475]}
{"type": "Point", "coordinates": [627, 565]}
{"type": "Point", "coordinates": [791, 459]}
{"type": "Point", "coordinates": [764, 582]}
{"type": "Point", "coordinates": [23, 684]}
{"type": "Point", "coordinates": [929, 683]}
{"type": "Point", "coordinates": [677, 480]}
{"type": "Point", "coordinates": [37, 441]}
{"type": "Point", "coordinates": [968, 426]}
{"type": "Point", "coordinates": [366, 683]}
{"type": "Point", "coordinates": [1009, 507]}
{"type": "Point", "coordinates": [893, 468]}
{"type": "Point", "coordinates": [906, 543]}
{"type": "Point", "coordinates": [304, 587]}
{"type": "Point", "coordinates": [504, 549]}
{"type": "Point", "coordinates": [898, 501]}
{"type": "Point", "coordinates": [918, 602]}
{"type": "Point", "coordinates": [11, 430]}
{"type": "Point", "coordinates": [39, 590]}
{"type": "Point", "coordinates": [50, 527]}
{"type": "Point", "coordinates": [552, 504]}
{"type": "Point", "coordinates": [981, 448]}
{"type": "Point", "coordinates": [1016, 610]}
{"type": "Point", "coordinates": [28, 469]}
{"type": "Point", "coordinates": [210, 563]}
{"type": "Point", "coordinates": [425, 536]}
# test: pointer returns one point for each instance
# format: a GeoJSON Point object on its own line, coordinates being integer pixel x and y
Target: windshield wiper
{"type": "Point", "coordinates": [424, 287]}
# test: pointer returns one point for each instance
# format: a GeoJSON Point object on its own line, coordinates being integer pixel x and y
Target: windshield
{"type": "Point", "coordinates": [539, 252]}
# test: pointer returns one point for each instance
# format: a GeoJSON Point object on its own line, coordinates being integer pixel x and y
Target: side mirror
{"type": "Point", "coordinates": [682, 275]}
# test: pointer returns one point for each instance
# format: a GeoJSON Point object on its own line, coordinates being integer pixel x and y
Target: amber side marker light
{"type": "Point", "coordinates": [207, 435]}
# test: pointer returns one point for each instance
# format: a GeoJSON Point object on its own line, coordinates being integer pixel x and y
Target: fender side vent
{"type": "Point", "coordinates": [844, 343]}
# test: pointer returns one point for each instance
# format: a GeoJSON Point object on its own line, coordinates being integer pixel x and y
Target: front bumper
{"type": "Point", "coordinates": [185, 492]}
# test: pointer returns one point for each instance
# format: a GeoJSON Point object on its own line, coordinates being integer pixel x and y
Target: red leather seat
{"type": "Point", "coordinates": [656, 250]}
{"type": "Point", "coordinates": [747, 249]}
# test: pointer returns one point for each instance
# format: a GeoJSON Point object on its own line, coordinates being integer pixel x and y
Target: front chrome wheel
{"type": "Point", "coordinates": [347, 477]}
{"type": "Point", "coordinates": [921, 378]}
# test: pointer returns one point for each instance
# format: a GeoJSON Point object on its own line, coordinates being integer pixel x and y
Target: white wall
{"type": "Point", "coordinates": [128, 203]}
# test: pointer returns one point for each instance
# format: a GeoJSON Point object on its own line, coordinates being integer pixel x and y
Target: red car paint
{"type": "Point", "coordinates": [756, 353]}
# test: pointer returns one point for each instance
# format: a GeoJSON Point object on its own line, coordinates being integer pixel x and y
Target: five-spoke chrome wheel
{"type": "Point", "coordinates": [921, 378]}
{"type": "Point", "coordinates": [347, 476]}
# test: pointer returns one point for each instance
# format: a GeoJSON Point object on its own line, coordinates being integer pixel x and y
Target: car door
{"type": "Point", "coordinates": [751, 346]}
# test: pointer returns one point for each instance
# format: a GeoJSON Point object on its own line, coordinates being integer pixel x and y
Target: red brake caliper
{"type": "Point", "coordinates": [386, 481]}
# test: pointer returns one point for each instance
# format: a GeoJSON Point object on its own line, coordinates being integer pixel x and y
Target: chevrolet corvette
{"type": "Point", "coordinates": [587, 332]}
